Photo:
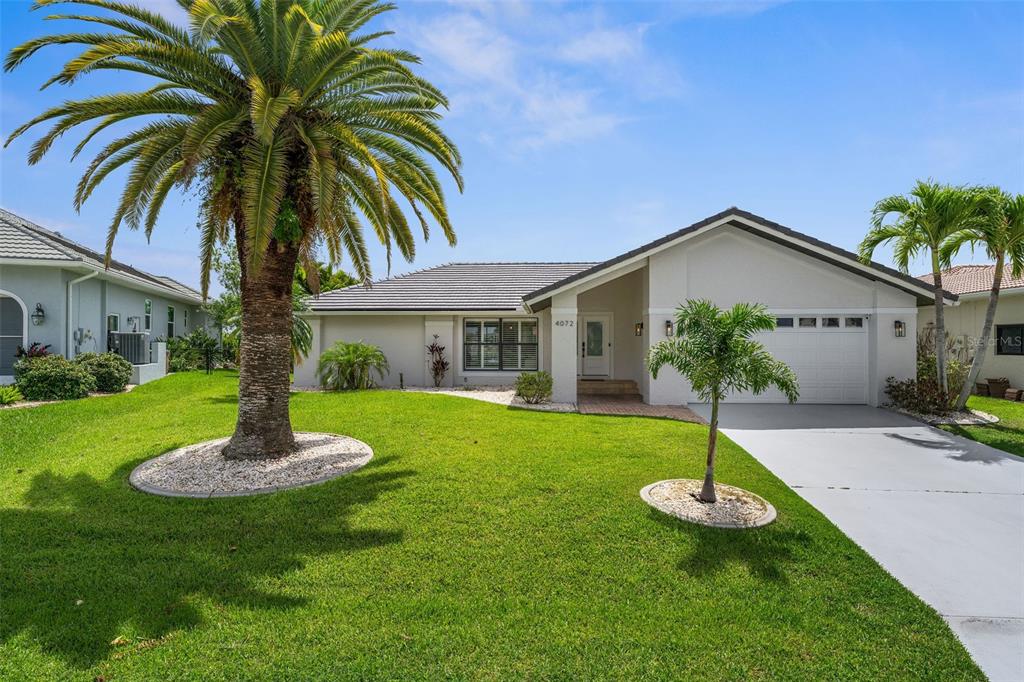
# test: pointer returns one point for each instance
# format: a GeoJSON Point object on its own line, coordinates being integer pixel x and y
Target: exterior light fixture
{"type": "Point", "coordinates": [899, 328]}
{"type": "Point", "coordinates": [670, 328]}
{"type": "Point", "coordinates": [638, 329]}
{"type": "Point", "coordinates": [38, 315]}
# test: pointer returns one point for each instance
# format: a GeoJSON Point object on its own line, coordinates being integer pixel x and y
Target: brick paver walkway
{"type": "Point", "coordinates": [630, 407]}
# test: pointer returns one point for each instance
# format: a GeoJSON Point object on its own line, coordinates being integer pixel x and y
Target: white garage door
{"type": "Point", "coordinates": [829, 354]}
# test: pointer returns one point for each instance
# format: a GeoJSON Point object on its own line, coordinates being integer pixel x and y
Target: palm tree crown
{"type": "Point", "coordinates": [714, 351]}
{"type": "Point", "coordinates": [293, 126]}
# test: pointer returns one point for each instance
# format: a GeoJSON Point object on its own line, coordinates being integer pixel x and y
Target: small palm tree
{"type": "Point", "coordinates": [350, 366]}
{"type": "Point", "coordinates": [714, 352]}
{"type": "Point", "coordinates": [293, 127]}
{"type": "Point", "coordinates": [1001, 234]}
{"type": "Point", "coordinates": [924, 220]}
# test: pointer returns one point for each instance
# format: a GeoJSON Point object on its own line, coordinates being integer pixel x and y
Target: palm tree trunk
{"type": "Point", "coordinates": [707, 491]}
{"type": "Point", "coordinates": [981, 348]}
{"type": "Point", "coordinates": [940, 324]}
{"type": "Point", "coordinates": [264, 429]}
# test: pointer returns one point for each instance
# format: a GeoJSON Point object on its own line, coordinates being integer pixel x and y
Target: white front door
{"type": "Point", "coordinates": [595, 345]}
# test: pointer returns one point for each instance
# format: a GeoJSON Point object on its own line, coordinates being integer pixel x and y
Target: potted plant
{"type": "Point", "coordinates": [997, 387]}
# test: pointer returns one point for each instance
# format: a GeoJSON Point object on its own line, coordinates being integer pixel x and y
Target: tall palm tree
{"type": "Point", "coordinates": [923, 220]}
{"type": "Point", "coordinates": [293, 129]}
{"type": "Point", "coordinates": [1001, 234]}
{"type": "Point", "coordinates": [714, 352]}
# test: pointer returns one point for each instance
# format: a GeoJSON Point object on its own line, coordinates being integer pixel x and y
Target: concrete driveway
{"type": "Point", "coordinates": [942, 514]}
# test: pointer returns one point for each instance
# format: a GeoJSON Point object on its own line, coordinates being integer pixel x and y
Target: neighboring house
{"type": "Point", "coordinates": [57, 292]}
{"type": "Point", "coordinates": [844, 326]}
{"type": "Point", "coordinates": [1004, 356]}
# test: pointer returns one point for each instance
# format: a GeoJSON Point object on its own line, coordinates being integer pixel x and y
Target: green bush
{"type": "Point", "coordinates": [10, 395]}
{"type": "Point", "coordinates": [350, 366]}
{"type": "Point", "coordinates": [110, 370]}
{"type": "Point", "coordinates": [52, 377]}
{"type": "Point", "coordinates": [534, 387]}
{"type": "Point", "coordinates": [187, 353]}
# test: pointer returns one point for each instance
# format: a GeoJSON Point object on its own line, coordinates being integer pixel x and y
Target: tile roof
{"type": "Point", "coordinates": [970, 279]}
{"type": "Point", "coordinates": [23, 239]}
{"type": "Point", "coordinates": [455, 286]}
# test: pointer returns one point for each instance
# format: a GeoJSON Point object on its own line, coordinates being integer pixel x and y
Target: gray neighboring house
{"type": "Point", "coordinates": [844, 326]}
{"type": "Point", "coordinates": [57, 292]}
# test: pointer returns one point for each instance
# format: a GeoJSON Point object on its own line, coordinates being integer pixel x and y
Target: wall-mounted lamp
{"type": "Point", "coordinates": [638, 329]}
{"type": "Point", "coordinates": [38, 315]}
{"type": "Point", "coordinates": [670, 328]}
{"type": "Point", "coordinates": [899, 328]}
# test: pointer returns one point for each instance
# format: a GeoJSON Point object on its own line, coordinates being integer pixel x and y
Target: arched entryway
{"type": "Point", "coordinates": [13, 331]}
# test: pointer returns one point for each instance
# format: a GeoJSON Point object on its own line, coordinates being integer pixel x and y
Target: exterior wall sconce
{"type": "Point", "coordinates": [38, 315]}
{"type": "Point", "coordinates": [670, 328]}
{"type": "Point", "coordinates": [638, 329]}
{"type": "Point", "coordinates": [899, 328]}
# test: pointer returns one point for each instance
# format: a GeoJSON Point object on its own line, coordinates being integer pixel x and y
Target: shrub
{"type": "Point", "coordinates": [439, 366]}
{"type": "Point", "coordinates": [534, 387]}
{"type": "Point", "coordinates": [110, 370]}
{"type": "Point", "coordinates": [350, 366]}
{"type": "Point", "coordinates": [922, 395]}
{"type": "Point", "coordinates": [52, 377]}
{"type": "Point", "coordinates": [36, 350]}
{"type": "Point", "coordinates": [187, 353]}
{"type": "Point", "coordinates": [10, 395]}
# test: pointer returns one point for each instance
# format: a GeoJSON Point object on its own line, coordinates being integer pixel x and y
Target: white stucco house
{"type": "Point", "coordinates": [1004, 356]}
{"type": "Point", "coordinates": [844, 326]}
{"type": "Point", "coordinates": [58, 293]}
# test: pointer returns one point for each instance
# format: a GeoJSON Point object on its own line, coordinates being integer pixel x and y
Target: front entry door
{"type": "Point", "coordinates": [595, 345]}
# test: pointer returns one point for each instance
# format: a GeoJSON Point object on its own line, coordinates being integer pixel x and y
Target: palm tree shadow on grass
{"type": "Point", "coordinates": [764, 551]}
{"type": "Point", "coordinates": [86, 560]}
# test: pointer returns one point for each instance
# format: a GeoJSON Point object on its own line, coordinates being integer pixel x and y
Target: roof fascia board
{"type": "Point", "coordinates": [611, 267]}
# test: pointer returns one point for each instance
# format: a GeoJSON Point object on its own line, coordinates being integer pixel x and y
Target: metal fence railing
{"type": "Point", "coordinates": [132, 346]}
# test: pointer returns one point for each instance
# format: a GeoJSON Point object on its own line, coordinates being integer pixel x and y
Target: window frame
{"type": "Point", "coordinates": [170, 322]}
{"type": "Point", "coordinates": [999, 336]}
{"type": "Point", "coordinates": [147, 315]}
{"type": "Point", "coordinates": [117, 323]}
{"type": "Point", "coordinates": [184, 319]}
{"type": "Point", "coordinates": [500, 345]}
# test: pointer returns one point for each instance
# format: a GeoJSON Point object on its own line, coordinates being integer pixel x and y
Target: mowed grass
{"type": "Point", "coordinates": [480, 543]}
{"type": "Point", "coordinates": [1007, 434]}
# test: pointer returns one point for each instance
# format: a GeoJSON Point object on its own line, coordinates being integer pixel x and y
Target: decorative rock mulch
{"type": "Point", "coordinates": [965, 418]}
{"type": "Point", "coordinates": [735, 508]}
{"type": "Point", "coordinates": [201, 470]}
{"type": "Point", "coordinates": [37, 403]}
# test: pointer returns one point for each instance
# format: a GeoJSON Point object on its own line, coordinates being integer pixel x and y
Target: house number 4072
{"type": "Point", "coordinates": [565, 323]}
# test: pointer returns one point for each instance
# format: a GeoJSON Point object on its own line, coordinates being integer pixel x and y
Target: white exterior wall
{"type": "Point", "coordinates": [730, 266]}
{"type": "Point", "coordinates": [623, 299]}
{"type": "Point", "coordinates": [967, 319]}
{"type": "Point", "coordinates": [404, 339]}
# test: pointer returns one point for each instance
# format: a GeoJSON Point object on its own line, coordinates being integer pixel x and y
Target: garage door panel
{"type": "Point", "coordinates": [830, 364]}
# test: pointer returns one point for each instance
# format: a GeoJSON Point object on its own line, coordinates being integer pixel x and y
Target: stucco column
{"type": "Point", "coordinates": [563, 347]}
{"type": "Point", "coordinates": [305, 368]}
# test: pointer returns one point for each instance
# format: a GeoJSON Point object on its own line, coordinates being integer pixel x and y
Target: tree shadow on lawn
{"type": "Point", "coordinates": [85, 561]}
{"type": "Point", "coordinates": [764, 551]}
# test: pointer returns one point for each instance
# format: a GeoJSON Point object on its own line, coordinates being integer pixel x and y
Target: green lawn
{"type": "Point", "coordinates": [480, 542]}
{"type": "Point", "coordinates": [1007, 435]}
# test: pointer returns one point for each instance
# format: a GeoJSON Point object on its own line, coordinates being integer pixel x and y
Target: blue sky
{"type": "Point", "coordinates": [590, 128]}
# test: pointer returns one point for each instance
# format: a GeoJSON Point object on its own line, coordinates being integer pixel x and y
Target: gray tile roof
{"type": "Point", "coordinates": [455, 286]}
{"type": "Point", "coordinates": [24, 240]}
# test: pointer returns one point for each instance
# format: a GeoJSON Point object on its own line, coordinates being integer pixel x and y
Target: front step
{"type": "Point", "coordinates": [610, 387]}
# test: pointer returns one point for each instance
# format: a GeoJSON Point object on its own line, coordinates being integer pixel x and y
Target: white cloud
{"type": "Point", "coordinates": [605, 45]}
{"type": "Point", "coordinates": [524, 66]}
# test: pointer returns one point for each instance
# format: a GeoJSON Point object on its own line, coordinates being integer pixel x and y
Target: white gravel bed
{"type": "Point", "coordinates": [201, 470]}
{"type": "Point", "coordinates": [37, 403]}
{"type": "Point", "coordinates": [735, 508]}
{"type": "Point", "coordinates": [499, 395]}
{"type": "Point", "coordinates": [965, 418]}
